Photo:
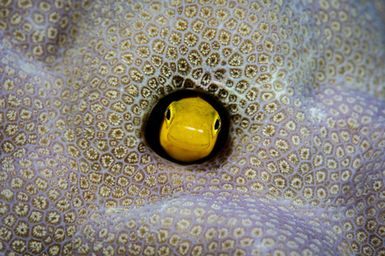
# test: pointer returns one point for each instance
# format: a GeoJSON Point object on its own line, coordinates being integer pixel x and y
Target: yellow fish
{"type": "Point", "coordinates": [190, 129]}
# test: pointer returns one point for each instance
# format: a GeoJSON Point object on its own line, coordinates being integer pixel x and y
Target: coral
{"type": "Point", "coordinates": [304, 84]}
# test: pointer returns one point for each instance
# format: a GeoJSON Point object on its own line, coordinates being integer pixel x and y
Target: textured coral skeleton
{"type": "Point", "coordinates": [304, 83]}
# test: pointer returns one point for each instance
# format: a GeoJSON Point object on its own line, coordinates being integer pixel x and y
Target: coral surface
{"type": "Point", "coordinates": [304, 169]}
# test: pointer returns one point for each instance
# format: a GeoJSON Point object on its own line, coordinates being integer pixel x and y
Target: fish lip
{"type": "Point", "coordinates": [188, 146]}
{"type": "Point", "coordinates": [186, 143]}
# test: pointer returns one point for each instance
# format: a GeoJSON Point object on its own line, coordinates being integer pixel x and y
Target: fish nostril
{"type": "Point", "coordinates": [185, 151]}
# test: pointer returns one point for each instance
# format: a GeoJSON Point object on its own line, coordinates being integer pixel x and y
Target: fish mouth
{"type": "Point", "coordinates": [188, 145]}
{"type": "Point", "coordinates": [191, 139]}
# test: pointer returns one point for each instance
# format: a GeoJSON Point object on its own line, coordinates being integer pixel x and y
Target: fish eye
{"type": "Point", "coordinates": [168, 114]}
{"type": "Point", "coordinates": [217, 124]}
